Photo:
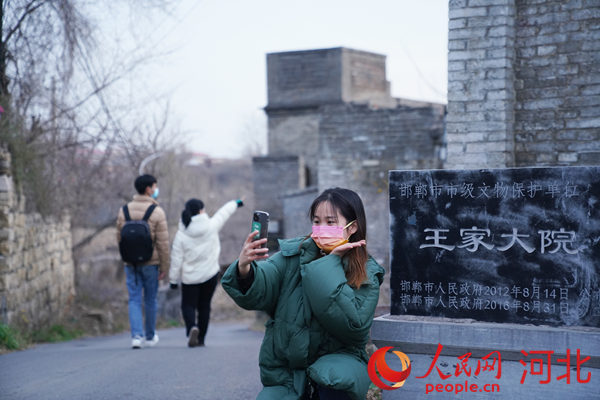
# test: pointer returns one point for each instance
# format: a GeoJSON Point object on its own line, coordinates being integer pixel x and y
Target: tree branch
{"type": "Point", "coordinates": [31, 8]}
{"type": "Point", "coordinates": [91, 236]}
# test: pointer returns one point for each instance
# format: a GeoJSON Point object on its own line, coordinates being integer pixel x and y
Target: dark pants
{"type": "Point", "coordinates": [197, 298]}
{"type": "Point", "coordinates": [331, 394]}
{"type": "Point", "coordinates": [316, 392]}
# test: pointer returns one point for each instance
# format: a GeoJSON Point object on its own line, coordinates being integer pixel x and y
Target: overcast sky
{"type": "Point", "coordinates": [216, 71]}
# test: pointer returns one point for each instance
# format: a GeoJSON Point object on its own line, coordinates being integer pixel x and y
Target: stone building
{"type": "Point", "coordinates": [332, 122]}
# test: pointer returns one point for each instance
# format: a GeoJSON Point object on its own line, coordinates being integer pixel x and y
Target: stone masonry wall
{"type": "Point", "coordinates": [523, 83]}
{"type": "Point", "coordinates": [359, 145]}
{"type": "Point", "coordinates": [311, 78]}
{"type": "Point", "coordinates": [36, 266]}
{"type": "Point", "coordinates": [481, 93]}
{"type": "Point", "coordinates": [273, 177]}
{"type": "Point", "coordinates": [364, 78]}
{"type": "Point", "coordinates": [557, 71]}
{"type": "Point", "coordinates": [300, 78]}
{"type": "Point", "coordinates": [295, 209]}
{"type": "Point", "coordinates": [296, 133]}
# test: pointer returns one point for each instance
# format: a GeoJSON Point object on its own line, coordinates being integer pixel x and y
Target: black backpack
{"type": "Point", "coordinates": [136, 242]}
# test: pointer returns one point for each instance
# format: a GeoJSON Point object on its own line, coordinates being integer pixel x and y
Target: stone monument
{"type": "Point", "coordinates": [506, 245]}
{"type": "Point", "coordinates": [495, 261]}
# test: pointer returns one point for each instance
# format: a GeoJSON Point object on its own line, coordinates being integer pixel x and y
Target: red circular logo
{"type": "Point", "coordinates": [377, 364]}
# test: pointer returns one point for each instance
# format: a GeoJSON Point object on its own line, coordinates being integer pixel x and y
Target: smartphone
{"type": "Point", "coordinates": [260, 223]}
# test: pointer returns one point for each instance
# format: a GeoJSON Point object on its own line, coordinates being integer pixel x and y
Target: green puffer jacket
{"type": "Point", "coordinates": [319, 325]}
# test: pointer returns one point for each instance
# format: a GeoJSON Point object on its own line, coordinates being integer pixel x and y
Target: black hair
{"type": "Point", "coordinates": [144, 181]}
{"type": "Point", "coordinates": [192, 207]}
{"type": "Point", "coordinates": [349, 204]}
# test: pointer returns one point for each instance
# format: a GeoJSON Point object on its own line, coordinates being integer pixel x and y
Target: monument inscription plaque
{"type": "Point", "coordinates": [516, 245]}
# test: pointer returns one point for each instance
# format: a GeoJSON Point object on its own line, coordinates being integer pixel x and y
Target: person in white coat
{"type": "Point", "coordinates": [195, 262]}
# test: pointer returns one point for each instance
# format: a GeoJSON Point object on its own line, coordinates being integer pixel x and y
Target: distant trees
{"type": "Point", "coordinates": [253, 136]}
{"type": "Point", "coordinates": [74, 122]}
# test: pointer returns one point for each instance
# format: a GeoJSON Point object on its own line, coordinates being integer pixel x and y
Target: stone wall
{"type": "Point", "coordinates": [295, 208]}
{"type": "Point", "coordinates": [273, 177]}
{"type": "Point", "coordinates": [36, 266]}
{"type": "Point", "coordinates": [523, 83]}
{"type": "Point", "coordinates": [296, 78]}
{"type": "Point", "coordinates": [359, 145]}
{"type": "Point", "coordinates": [297, 133]}
{"type": "Point", "coordinates": [311, 78]}
{"type": "Point", "coordinates": [300, 82]}
{"type": "Point", "coordinates": [557, 72]}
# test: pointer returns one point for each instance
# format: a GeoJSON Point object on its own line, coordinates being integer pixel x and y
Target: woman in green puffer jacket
{"type": "Point", "coordinates": [320, 292]}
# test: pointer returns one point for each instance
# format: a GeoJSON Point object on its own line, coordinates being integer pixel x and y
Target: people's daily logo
{"type": "Point", "coordinates": [536, 363]}
{"type": "Point", "coordinates": [378, 367]}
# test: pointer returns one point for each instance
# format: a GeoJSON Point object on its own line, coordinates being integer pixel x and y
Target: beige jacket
{"type": "Point", "coordinates": [158, 228]}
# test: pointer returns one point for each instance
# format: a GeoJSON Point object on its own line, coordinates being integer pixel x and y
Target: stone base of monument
{"type": "Point", "coordinates": [419, 338]}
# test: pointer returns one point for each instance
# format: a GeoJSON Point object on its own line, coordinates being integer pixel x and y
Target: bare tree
{"type": "Point", "coordinates": [75, 138]}
{"type": "Point", "coordinates": [253, 135]}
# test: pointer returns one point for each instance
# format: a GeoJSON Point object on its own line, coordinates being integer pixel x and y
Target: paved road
{"type": "Point", "coordinates": [107, 368]}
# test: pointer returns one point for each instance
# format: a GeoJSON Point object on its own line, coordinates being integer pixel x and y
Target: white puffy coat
{"type": "Point", "coordinates": [196, 249]}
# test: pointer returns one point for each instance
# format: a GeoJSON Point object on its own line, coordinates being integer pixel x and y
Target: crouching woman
{"type": "Point", "coordinates": [320, 292]}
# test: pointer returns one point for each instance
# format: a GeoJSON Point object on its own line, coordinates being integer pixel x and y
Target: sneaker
{"type": "Point", "coordinates": [136, 342]}
{"type": "Point", "coordinates": [193, 339]}
{"type": "Point", "coordinates": [153, 342]}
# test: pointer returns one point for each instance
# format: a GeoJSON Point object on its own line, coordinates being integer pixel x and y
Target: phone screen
{"type": "Point", "coordinates": [256, 226]}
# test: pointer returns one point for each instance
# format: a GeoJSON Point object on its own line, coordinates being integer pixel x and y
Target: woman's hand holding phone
{"type": "Point", "coordinates": [251, 251]}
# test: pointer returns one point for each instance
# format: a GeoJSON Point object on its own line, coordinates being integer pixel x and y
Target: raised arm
{"type": "Point", "coordinates": [222, 215]}
{"type": "Point", "coordinates": [263, 292]}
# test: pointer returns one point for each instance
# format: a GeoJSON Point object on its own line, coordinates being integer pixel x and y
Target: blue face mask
{"type": "Point", "coordinates": [155, 194]}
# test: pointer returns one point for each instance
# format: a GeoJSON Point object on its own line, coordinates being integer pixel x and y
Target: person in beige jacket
{"type": "Point", "coordinates": [145, 278]}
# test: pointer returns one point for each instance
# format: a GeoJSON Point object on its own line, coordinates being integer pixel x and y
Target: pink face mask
{"type": "Point", "coordinates": [328, 237]}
